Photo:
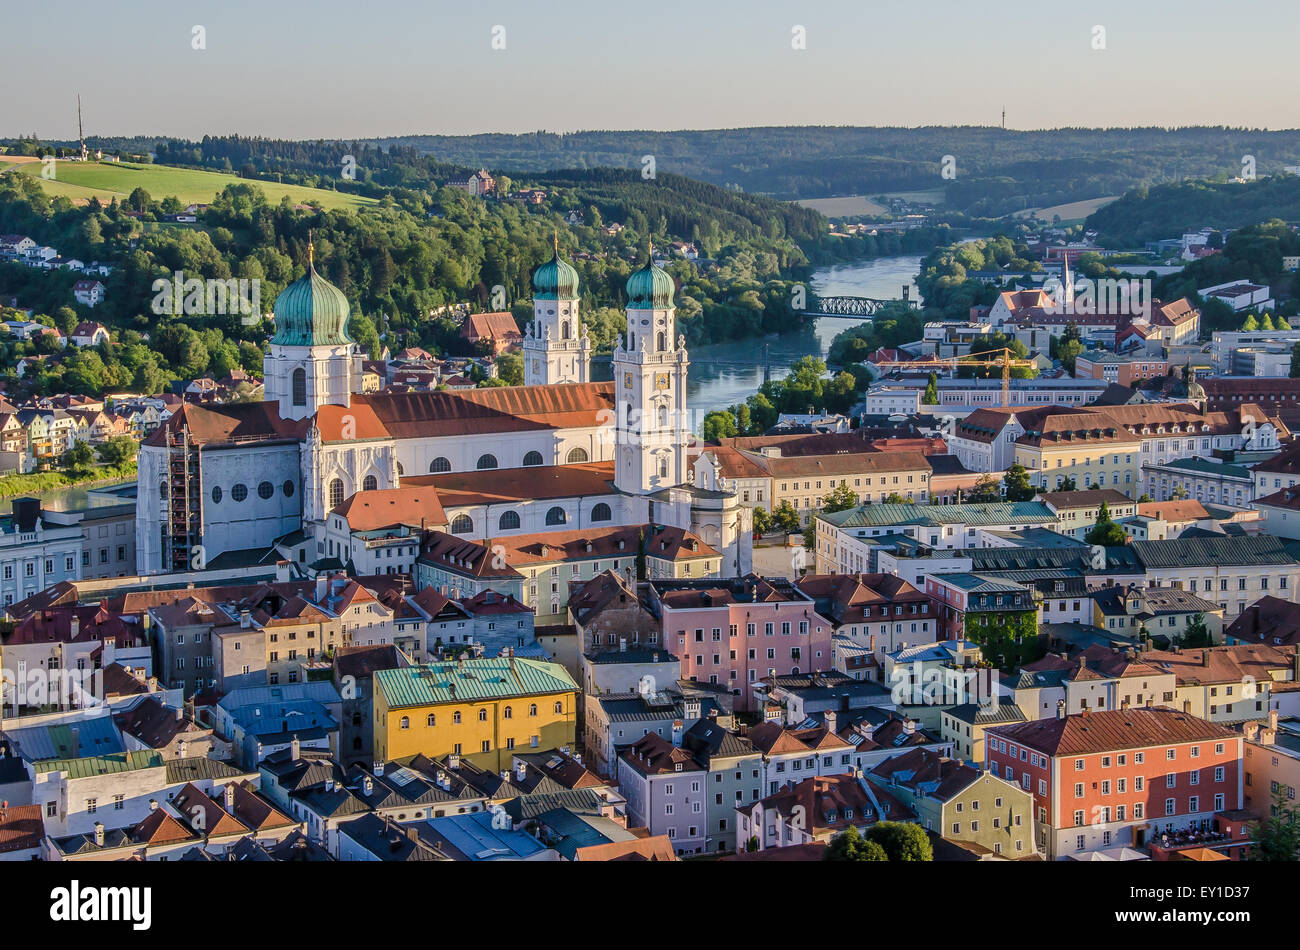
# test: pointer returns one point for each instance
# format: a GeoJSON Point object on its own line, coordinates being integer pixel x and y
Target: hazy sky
{"type": "Point", "coordinates": [331, 68]}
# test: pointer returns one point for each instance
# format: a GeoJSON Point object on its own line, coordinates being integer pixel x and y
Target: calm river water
{"type": "Point", "coordinates": [723, 374]}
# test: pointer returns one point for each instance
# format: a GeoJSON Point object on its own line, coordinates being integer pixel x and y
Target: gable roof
{"type": "Point", "coordinates": [1093, 732]}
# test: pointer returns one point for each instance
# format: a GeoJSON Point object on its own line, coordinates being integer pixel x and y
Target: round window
{"type": "Point", "coordinates": [216, 495]}
{"type": "Point", "coordinates": [265, 490]}
{"type": "Point", "coordinates": [288, 489]}
{"type": "Point", "coordinates": [239, 491]}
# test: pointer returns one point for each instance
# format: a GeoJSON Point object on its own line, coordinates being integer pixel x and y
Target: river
{"type": "Point", "coordinates": [739, 370]}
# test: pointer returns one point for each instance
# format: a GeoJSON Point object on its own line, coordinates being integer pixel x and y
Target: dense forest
{"type": "Point", "coordinates": [998, 171]}
{"type": "Point", "coordinates": [1169, 211]}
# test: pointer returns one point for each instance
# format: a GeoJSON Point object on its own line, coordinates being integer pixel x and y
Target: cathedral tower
{"type": "Point", "coordinates": [311, 362]}
{"type": "Point", "coordinates": [556, 349]}
{"type": "Point", "coordinates": [650, 365]}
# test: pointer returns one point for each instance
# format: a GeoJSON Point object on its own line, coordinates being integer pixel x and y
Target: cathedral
{"type": "Point", "coordinates": [561, 453]}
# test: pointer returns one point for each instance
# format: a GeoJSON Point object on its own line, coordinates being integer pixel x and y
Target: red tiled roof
{"type": "Point", "coordinates": [1093, 732]}
{"type": "Point", "coordinates": [22, 827]}
{"type": "Point", "coordinates": [384, 507]}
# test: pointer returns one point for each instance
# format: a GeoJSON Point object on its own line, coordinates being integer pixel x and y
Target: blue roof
{"type": "Point", "coordinates": [97, 736]}
{"type": "Point", "coordinates": [474, 837]}
{"type": "Point", "coordinates": [322, 691]}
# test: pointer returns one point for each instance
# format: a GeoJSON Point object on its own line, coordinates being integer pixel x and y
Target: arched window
{"type": "Point", "coordinates": [432, 720]}
{"type": "Point", "coordinates": [406, 722]}
{"type": "Point", "coordinates": [440, 464]}
{"type": "Point", "coordinates": [559, 708]}
{"type": "Point", "coordinates": [556, 516]}
{"type": "Point", "coordinates": [300, 387]}
{"type": "Point", "coordinates": [455, 718]}
{"type": "Point", "coordinates": [662, 341]}
{"type": "Point", "coordinates": [507, 713]}
{"type": "Point", "coordinates": [336, 493]}
{"type": "Point", "coordinates": [400, 471]}
{"type": "Point", "coordinates": [601, 513]}
{"type": "Point", "coordinates": [533, 458]}
{"type": "Point", "coordinates": [509, 521]}
{"type": "Point", "coordinates": [532, 710]}
{"type": "Point", "coordinates": [486, 461]}
{"type": "Point", "coordinates": [564, 330]}
{"type": "Point", "coordinates": [482, 715]}
{"type": "Point", "coordinates": [577, 455]}
{"type": "Point", "coordinates": [462, 525]}
{"type": "Point", "coordinates": [663, 417]}
{"type": "Point", "coordinates": [370, 483]}
{"type": "Point", "coordinates": [162, 489]}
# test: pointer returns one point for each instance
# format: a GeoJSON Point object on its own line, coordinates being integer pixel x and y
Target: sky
{"type": "Point", "coordinates": [370, 68]}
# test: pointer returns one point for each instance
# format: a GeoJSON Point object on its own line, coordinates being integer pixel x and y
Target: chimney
{"type": "Point", "coordinates": [99, 834]}
{"type": "Point", "coordinates": [322, 587]}
{"type": "Point", "coordinates": [295, 749]}
{"type": "Point", "coordinates": [228, 796]}
{"type": "Point", "coordinates": [245, 619]}
{"type": "Point", "coordinates": [378, 767]}
{"type": "Point", "coordinates": [453, 761]}
{"type": "Point", "coordinates": [909, 727]}
{"type": "Point", "coordinates": [677, 732]}
{"type": "Point", "coordinates": [74, 626]}
{"type": "Point", "coordinates": [153, 804]}
{"type": "Point", "coordinates": [1060, 709]}
{"type": "Point", "coordinates": [505, 776]}
{"type": "Point", "coordinates": [368, 786]}
{"type": "Point", "coordinates": [521, 771]}
{"type": "Point", "coordinates": [329, 784]}
{"type": "Point", "coordinates": [1086, 712]}
{"type": "Point", "coordinates": [830, 717]}
{"type": "Point", "coordinates": [1272, 718]}
{"type": "Point", "coordinates": [180, 749]}
{"type": "Point", "coordinates": [1251, 731]}
{"type": "Point", "coordinates": [76, 742]}
{"type": "Point", "coordinates": [180, 714]}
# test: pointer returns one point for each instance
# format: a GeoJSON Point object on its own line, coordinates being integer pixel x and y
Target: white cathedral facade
{"type": "Point", "coordinates": [225, 482]}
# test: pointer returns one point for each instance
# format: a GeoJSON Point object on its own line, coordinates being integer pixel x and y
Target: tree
{"type": "Point", "coordinates": [985, 491]}
{"type": "Point", "coordinates": [1281, 323]}
{"type": "Point", "coordinates": [849, 845]}
{"type": "Point", "coordinates": [1250, 323]}
{"type": "Point", "coordinates": [932, 390]}
{"type": "Point", "coordinates": [785, 517]}
{"type": "Point", "coordinates": [510, 367]}
{"type": "Point", "coordinates": [902, 840]}
{"type": "Point", "coordinates": [1197, 633]}
{"type": "Point", "coordinates": [1068, 484]}
{"type": "Point", "coordinates": [839, 498]}
{"type": "Point", "coordinates": [894, 498]}
{"type": "Point", "coordinates": [1016, 483]}
{"type": "Point", "coordinates": [718, 425]}
{"type": "Point", "coordinates": [1295, 361]}
{"type": "Point", "coordinates": [763, 523]}
{"type": "Point", "coordinates": [1144, 499]}
{"type": "Point", "coordinates": [118, 450]}
{"type": "Point", "coordinates": [77, 458]}
{"type": "Point", "coordinates": [1277, 837]}
{"type": "Point", "coordinates": [1105, 532]}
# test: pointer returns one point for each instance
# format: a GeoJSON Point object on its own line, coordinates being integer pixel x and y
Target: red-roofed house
{"type": "Point", "coordinates": [498, 330]}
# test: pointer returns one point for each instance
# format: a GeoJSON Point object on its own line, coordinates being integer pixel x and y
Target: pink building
{"type": "Point", "coordinates": [736, 632]}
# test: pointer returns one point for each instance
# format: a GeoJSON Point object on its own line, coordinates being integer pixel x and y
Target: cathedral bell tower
{"type": "Point", "coordinates": [556, 347]}
{"type": "Point", "coordinates": [311, 361]}
{"type": "Point", "coordinates": [650, 365]}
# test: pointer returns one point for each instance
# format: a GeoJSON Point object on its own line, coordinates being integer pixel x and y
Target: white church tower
{"type": "Point", "coordinates": [312, 360]}
{"type": "Point", "coordinates": [650, 366]}
{"type": "Point", "coordinates": [556, 348]}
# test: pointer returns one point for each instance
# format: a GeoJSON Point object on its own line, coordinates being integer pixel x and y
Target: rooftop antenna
{"type": "Point", "coordinates": [81, 135]}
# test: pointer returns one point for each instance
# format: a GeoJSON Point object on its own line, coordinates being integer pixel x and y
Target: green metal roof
{"type": "Point", "coordinates": [1206, 467]}
{"type": "Point", "coordinates": [650, 288]}
{"type": "Point", "coordinates": [471, 681]}
{"type": "Point", "coordinates": [555, 280]}
{"type": "Point", "coordinates": [311, 312]}
{"type": "Point", "coordinates": [1260, 549]}
{"type": "Point", "coordinates": [102, 764]}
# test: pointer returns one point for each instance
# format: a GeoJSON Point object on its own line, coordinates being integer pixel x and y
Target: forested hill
{"type": "Point", "coordinates": [1167, 211]}
{"type": "Point", "coordinates": [998, 171]}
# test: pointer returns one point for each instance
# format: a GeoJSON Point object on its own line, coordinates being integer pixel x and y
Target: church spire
{"type": "Point", "coordinates": [311, 252]}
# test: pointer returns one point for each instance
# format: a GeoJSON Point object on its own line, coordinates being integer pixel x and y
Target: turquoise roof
{"type": "Point", "coordinates": [311, 312]}
{"type": "Point", "coordinates": [650, 288]}
{"type": "Point", "coordinates": [976, 515]}
{"type": "Point", "coordinates": [471, 680]}
{"type": "Point", "coordinates": [555, 280]}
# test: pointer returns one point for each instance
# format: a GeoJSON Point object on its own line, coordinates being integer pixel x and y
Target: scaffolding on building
{"type": "Point", "coordinates": [183, 527]}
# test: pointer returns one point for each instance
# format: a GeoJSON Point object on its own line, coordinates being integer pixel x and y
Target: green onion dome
{"type": "Point", "coordinates": [650, 288]}
{"type": "Point", "coordinates": [311, 312]}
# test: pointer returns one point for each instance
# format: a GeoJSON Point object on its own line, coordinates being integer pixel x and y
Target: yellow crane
{"type": "Point", "coordinates": [1003, 358]}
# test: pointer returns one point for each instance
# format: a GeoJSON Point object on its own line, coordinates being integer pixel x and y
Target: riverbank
{"type": "Point", "coordinates": [35, 483]}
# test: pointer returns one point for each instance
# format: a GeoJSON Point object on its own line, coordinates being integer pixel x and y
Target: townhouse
{"type": "Point", "coordinates": [815, 810]}
{"type": "Point", "coordinates": [733, 632]}
{"type": "Point", "coordinates": [964, 805]}
{"type": "Point", "coordinates": [1119, 778]}
{"type": "Point", "coordinates": [1232, 571]}
{"type": "Point", "coordinates": [481, 709]}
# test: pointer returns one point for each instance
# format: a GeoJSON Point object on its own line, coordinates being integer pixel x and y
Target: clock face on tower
{"type": "Point", "coordinates": [661, 380]}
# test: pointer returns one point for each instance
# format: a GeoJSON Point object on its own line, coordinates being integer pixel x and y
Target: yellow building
{"type": "Point", "coordinates": [484, 710]}
{"type": "Point", "coordinates": [1093, 450]}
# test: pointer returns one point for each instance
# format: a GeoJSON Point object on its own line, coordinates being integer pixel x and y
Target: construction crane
{"type": "Point", "coordinates": [1003, 359]}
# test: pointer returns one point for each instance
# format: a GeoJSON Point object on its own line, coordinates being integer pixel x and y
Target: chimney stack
{"type": "Point", "coordinates": [99, 834]}
{"type": "Point", "coordinates": [1060, 709]}
{"type": "Point", "coordinates": [831, 721]}
{"type": "Point", "coordinates": [521, 771]}
{"type": "Point", "coordinates": [228, 796]}
{"type": "Point", "coordinates": [295, 748]}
